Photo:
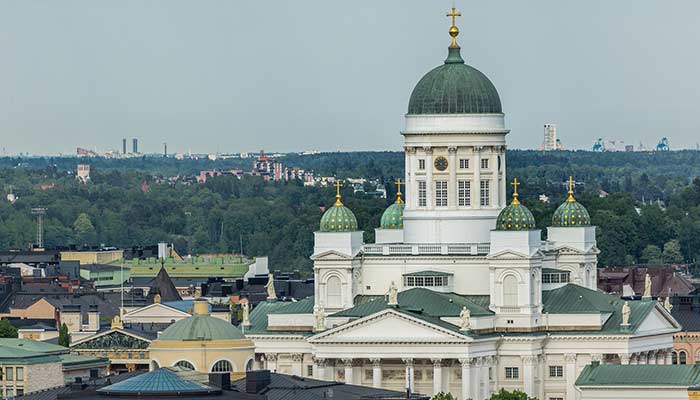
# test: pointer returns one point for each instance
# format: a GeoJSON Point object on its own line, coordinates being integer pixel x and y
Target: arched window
{"type": "Point", "coordinates": [249, 365]}
{"type": "Point", "coordinates": [674, 357]}
{"type": "Point", "coordinates": [333, 292]}
{"type": "Point", "coordinates": [510, 291]}
{"type": "Point", "coordinates": [682, 357]}
{"type": "Point", "coordinates": [154, 365]}
{"type": "Point", "coordinates": [184, 365]}
{"type": "Point", "coordinates": [222, 366]}
{"type": "Point", "coordinates": [588, 278]}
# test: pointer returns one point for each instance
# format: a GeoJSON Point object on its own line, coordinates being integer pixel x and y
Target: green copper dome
{"type": "Point", "coordinates": [393, 217]}
{"type": "Point", "coordinates": [571, 213]}
{"type": "Point", "coordinates": [454, 88]}
{"type": "Point", "coordinates": [201, 327]}
{"type": "Point", "coordinates": [515, 217]}
{"type": "Point", "coordinates": [338, 218]}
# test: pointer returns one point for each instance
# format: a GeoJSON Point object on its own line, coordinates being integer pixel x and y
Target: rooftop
{"type": "Point", "coordinates": [639, 375]}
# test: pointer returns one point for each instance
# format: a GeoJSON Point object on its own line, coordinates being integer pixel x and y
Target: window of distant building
{"type": "Point", "coordinates": [463, 163]}
{"type": "Point", "coordinates": [421, 164]}
{"type": "Point", "coordinates": [484, 163]}
{"type": "Point", "coordinates": [512, 373]}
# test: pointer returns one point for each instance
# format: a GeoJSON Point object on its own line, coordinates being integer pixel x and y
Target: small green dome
{"type": "Point", "coordinates": [201, 327]}
{"type": "Point", "coordinates": [454, 88]}
{"type": "Point", "coordinates": [571, 213]}
{"type": "Point", "coordinates": [393, 217]}
{"type": "Point", "coordinates": [515, 217]}
{"type": "Point", "coordinates": [338, 219]}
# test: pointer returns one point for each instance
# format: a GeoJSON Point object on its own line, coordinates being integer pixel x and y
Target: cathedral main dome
{"type": "Point", "coordinates": [454, 88]}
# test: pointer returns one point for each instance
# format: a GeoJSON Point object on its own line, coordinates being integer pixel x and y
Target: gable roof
{"type": "Point", "coordinates": [639, 375]}
{"type": "Point", "coordinates": [164, 286]}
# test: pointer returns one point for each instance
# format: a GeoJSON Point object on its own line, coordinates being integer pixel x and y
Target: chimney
{"type": "Point", "coordinates": [221, 381]}
{"type": "Point", "coordinates": [255, 381]}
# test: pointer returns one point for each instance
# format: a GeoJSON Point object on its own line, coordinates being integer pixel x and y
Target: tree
{"type": "Point", "coordinates": [672, 252]}
{"type": "Point", "coordinates": [63, 336]}
{"type": "Point", "coordinates": [84, 230]}
{"type": "Point", "coordinates": [443, 396]}
{"type": "Point", "coordinates": [652, 255]}
{"type": "Point", "coordinates": [514, 395]}
{"type": "Point", "coordinates": [7, 330]}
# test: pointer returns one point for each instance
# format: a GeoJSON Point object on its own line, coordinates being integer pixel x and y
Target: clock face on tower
{"type": "Point", "coordinates": [441, 163]}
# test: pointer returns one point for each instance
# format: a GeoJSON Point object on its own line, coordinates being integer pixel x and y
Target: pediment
{"type": "Point", "coordinates": [657, 321]}
{"type": "Point", "coordinates": [568, 250]}
{"type": "Point", "coordinates": [112, 339]}
{"type": "Point", "coordinates": [389, 326]}
{"type": "Point", "coordinates": [331, 255]}
{"type": "Point", "coordinates": [512, 254]}
{"type": "Point", "coordinates": [155, 310]}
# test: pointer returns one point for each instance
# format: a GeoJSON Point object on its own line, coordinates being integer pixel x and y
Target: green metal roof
{"type": "Point", "coordinates": [75, 360]}
{"type": "Point", "coordinates": [338, 219]}
{"type": "Point", "coordinates": [392, 218]}
{"type": "Point", "coordinates": [162, 381]}
{"type": "Point", "coordinates": [575, 299]}
{"type": "Point", "coordinates": [258, 319]}
{"type": "Point", "coordinates": [454, 88]}
{"type": "Point", "coordinates": [33, 345]}
{"type": "Point", "coordinates": [304, 306]}
{"type": "Point", "coordinates": [639, 375]}
{"type": "Point", "coordinates": [201, 327]}
{"type": "Point", "coordinates": [570, 214]}
{"type": "Point", "coordinates": [26, 351]}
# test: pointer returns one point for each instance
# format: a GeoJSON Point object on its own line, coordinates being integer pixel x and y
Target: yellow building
{"type": "Point", "coordinates": [93, 257]}
{"type": "Point", "coordinates": [202, 343]}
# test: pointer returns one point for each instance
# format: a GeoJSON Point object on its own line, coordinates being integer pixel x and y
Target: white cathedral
{"type": "Point", "coordinates": [459, 293]}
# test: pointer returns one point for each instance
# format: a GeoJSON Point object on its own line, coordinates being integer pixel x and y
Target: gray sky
{"type": "Point", "coordinates": [239, 75]}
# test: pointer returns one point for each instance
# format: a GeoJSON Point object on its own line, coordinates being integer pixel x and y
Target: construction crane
{"type": "Point", "coordinates": [599, 146]}
{"type": "Point", "coordinates": [663, 145]}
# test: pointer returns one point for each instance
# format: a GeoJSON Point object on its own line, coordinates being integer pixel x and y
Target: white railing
{"type": "Point", "coordinates": [475, 249]}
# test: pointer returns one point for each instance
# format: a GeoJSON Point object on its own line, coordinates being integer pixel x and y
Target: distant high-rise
{"type": "Point", "coordinates": [550, 137]}
{"type": "Point", "coordinates": [165, 149]}
{"type": "Point", "coordinates": [135, 145]}
{"type": "Point", "coordinates": [124, 146]}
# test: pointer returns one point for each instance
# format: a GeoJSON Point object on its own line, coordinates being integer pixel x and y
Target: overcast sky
{"type": "Point", "coordinates": [240, 75]}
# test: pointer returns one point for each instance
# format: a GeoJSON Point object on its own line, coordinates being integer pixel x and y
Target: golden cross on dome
{"type": "Point", "coordinates": [515, 191]}
{"type": "Point", "coordinates": [398, 192]}
{"type": "Point", "coordinates": [337, 193]}
{"type": "Point", "coordinates": [454, 31]}
{"type": "Point", "coordinates": [571, 190]}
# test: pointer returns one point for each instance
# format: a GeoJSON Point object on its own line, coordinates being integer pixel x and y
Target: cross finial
{"type": "Point", "coordinates": [571, 190]}
{"type": "Point", "coordinates": [398, 192]}
{"type": "Point", "coordinates": [515, 191]}
{"type": "Point", "coordinates": [337, 193]}
{"type": "Point", "coordinates": [454, 31]}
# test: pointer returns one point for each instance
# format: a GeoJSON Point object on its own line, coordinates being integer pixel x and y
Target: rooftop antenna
{"type": "Point", "coordinates": [39, 212]}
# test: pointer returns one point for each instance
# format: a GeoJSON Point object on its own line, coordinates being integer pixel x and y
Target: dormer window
{"type": "Point", "coordinates": [554, 276]}
{"type": "Point", "coordinates": [426, 279]}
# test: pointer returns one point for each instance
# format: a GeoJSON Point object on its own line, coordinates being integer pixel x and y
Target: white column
{"type": "Point", "coordinates": [475, 379]}
{"type": "Point", "coordinates": [540, 374]}
{"type": "Point", "coordinates": [408, 362]}
{"type": "Point", "coordinates": [485, 363]}
{"type": "Point", "coordinates": [496, 185]}
{"type": "Point", "coordinates": [320, 368]}
{"type": "Point", "coordinates": [503, 177]}
{"type": "Point", "coordinates": [529, 375]}
{"type": "Point", "coordinates": [652, 358]}
{"type": "Point", "coordinates": [466, 375]}
{"type": "Point", "coordinates": [271, 361]}
{"type": "Point", "coordinates": [347, 364]}
{"type": "Point", "coordinates": [495, 371]}
{"type": "Point", "coordinates": [437, 375]}
{"type": "Point", "coordinates": [410, 178]}
{"type": "Point", "coordinates": [452, 186]}
{"type": "Point", "coordinates": [634, 359]}
{"type": "Point", "coordinates": [297, 364]}
{"type": "Point", "coordinates": [476, 185]}
{"type": "Point", "coordinates": [642, 357]}
{"type": "Point", "coordinates": [669, 353]}
{"type": "Point", "coordinates": [570, 360]}
{"type": "Point", "coordinates": [429, 184]}
{"type": "Point", "coordinates": [376, 372]}
{"type": "Point", "coordinates": [624, 358]}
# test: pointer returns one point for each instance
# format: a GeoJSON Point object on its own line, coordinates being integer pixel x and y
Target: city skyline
{"type": "Point", "coordinates": [242, 76]}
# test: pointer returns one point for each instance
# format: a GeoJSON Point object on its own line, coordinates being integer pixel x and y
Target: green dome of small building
{"type": "Point", "coordinates": [201, 326]}
{"type": "Point", "coordinates": [454, 88]}
{"type": "Point", "coordinates": [338, 218]}
{"type": "Point", "coordinates": [515, 217]}
{"type": "Point", "coordinates": [393, 215]}
{"type": "Point", "coordinates": [571, 213]}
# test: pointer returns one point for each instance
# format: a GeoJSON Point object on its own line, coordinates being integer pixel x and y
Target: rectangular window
{"type": "Point", "coordinates": [428, 281]}
{"type": "Point", "coordinates": [20, 392]}
{"type": "Point", "coordinates": [421, 164]}
{"type": "Point", "coordinates": [484, 163]}
{"type": "Point", "coordinates": [564, 278]}
{"type": "Point", "coordinates": [545, 278]}
{"type": "Point", "coordinates": [556, 398]}
{"type": "Point", "coordinates": [463, 163]}
{"type": "Point", "coordinates": [419, 281]}
{"type": "Point", "coordinates": [441, 194]}
{"type": "Point", "coordinates": [20, 373]}
{"type": "Point", "coordinates": [9, 374]}
{"type": "Point", "coordinates": [309, 370]}
{"type": "Point", "coordinates": [485, 195]}
{"type": "Point", "coordinates": [556, 371]}
{"type": "Point", "coordinates": [465, 193]}
{"type": "Point", "coordinates": [422, 195]}
{"type": "Point", "coordinates": [512, 373]}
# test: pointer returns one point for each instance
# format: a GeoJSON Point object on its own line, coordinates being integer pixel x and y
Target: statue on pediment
{"type": "Point", "coordinates": [393, 294]}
